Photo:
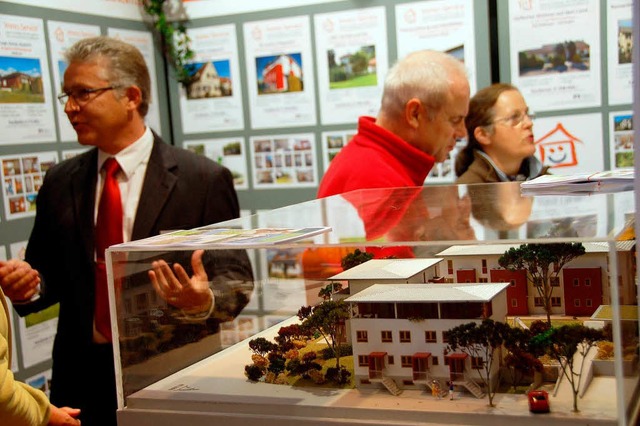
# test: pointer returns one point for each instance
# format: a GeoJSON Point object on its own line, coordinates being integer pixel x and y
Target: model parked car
{"type": "Point", "coordinates": [538, 401]}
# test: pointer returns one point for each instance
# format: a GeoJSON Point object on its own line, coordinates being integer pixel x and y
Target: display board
{"type": "Point", "coordinates": [572, 63]}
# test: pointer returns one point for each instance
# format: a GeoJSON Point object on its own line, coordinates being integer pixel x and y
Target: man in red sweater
{"type": "Point", "coordinates": [424, 103]}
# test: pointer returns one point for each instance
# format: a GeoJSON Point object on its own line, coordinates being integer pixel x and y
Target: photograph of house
{"type": "Point", "coordinates": [352, 67]}
{"type": "Point", "coordinates": [20, 80]}
{"type": "Point", "coordinates": [209, 80]}
{"type": "Point", "coordinates": [280, 74]}
{"type": "Point", "coordinates": [572, 55]}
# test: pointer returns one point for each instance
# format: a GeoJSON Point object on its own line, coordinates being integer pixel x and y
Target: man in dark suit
{"type": "Point", "coordinates": [106, 95]}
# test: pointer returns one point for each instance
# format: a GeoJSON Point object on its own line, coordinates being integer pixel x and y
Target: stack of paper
{"type": "Point", "coordinates": [609, 181]}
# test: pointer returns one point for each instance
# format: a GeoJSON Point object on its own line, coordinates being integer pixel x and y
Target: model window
{"type": "Point", "coordinates": [450, 267]}
{"type": "Point", "coordinates": [576, 303]}
{"type": "Point", "coordinates": [362, 336]}
{"type": "Point", "coordinates": [445, 336]}
{"type": "Point", "coordinates": [537, 301]}
{"type": "Point", "coordinates": [430, 336]}
{"type": "Point", "coordinates": [405, 336]}
{"type": "Point", "coordinates": [477, 362]}
{"type": "Point", "coordinates": [483, 280]}
{"type": "Point", "coordinates": [484, 266]}
{"type": "Point", "coordinates": [576, 282]}
{"type": "Point", "coordinates": [588, 303]}
{"type": "Point", "coordinates": [406, 360]}
{"type": "Point", "coordinates": [387, 336]}
{"type": "Point", "coordinates": [587, 282]}
{"type": "Point", "coordinates": [363, 360]}
{"type": "Point", "coordinates": [435, 360]}
{"type": "Point", "coordinates": [556, 301]}
{"type": "Point", "coordinates": [514, 303]}
{"type": "Point", "coordinates": [554, 281]}
{"type": "Point", "coordinates": [390, 360]}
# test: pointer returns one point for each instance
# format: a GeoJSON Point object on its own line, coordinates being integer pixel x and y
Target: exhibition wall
{"type": "Point", "coordinates": [277, 135]}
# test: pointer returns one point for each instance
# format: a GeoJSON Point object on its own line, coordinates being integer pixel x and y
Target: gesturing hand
{"type": "Point", "coordinates": [178, 289]}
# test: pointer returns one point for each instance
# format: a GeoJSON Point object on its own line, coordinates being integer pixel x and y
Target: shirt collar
{"type": "Point", "coordinates": [132, 156]}
{"type": "Point", "coordinates": [501, 175]}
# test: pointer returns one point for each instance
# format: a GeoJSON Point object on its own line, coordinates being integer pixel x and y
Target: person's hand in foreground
{"type": "Point", "coordinates": [178, 289]}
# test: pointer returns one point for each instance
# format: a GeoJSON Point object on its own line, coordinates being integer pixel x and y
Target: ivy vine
{"type": "Point", "coordinates": [172, 35]}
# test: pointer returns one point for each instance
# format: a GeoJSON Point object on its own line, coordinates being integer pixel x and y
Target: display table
{"type": "Point", "coordinates": [207, 385]}
{"type": "Point", "coordinates": [215, 391]}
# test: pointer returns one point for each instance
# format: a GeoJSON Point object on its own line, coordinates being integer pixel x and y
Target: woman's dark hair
{"type": "Point", "coordinates": [480, 114]}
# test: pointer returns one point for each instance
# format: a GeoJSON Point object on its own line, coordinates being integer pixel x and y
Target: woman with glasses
{"type": "Point", "coordinates": [500, 144]}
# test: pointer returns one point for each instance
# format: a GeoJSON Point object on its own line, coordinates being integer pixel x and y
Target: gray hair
{"type": "Point", "coordinates": [426, 75]}
{"type": "Point", "coordinates": [125, 64]}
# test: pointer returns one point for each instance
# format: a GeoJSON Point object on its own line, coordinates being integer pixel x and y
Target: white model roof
{"type": "Point", "coordinates": [500, 249]}
{"type": "Point", "coordinates": [482, 292]}
{"type": "Point", "coordinates": [386, 269]}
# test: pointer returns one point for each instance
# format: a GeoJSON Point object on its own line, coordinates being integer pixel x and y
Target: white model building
{"type": "Point", "coordinates": [398, 324]}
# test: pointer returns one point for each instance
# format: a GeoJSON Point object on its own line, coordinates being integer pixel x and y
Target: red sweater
{"type": "Point", "coordinates": [375, 158]}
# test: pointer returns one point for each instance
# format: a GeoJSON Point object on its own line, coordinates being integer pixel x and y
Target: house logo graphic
{"type": "Point", "coordinates": [558, 148]}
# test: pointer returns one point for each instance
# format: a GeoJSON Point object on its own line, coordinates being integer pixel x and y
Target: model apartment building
{"type": "Point", "coordinates": [401, 309]}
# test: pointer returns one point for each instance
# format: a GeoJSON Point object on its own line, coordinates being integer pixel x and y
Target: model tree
{"type": "Point", "coordinates": [569, 345]}
{"type": "Point", "coordinates": [327, 319]}
{"type": "Point", "coordinates": [519, 360]}
{"type": "Point", "coordinates": [355, 258]}
{"type": "Point", "coordinates": [480, 341]}
{"type": "Point", "coordinates": [542, 263]}
{"type": "Point", "coordinates": [327, 291]}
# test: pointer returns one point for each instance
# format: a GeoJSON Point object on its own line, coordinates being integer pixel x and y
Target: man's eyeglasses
{"type": "Point", "coordinates": [516, 119]}
{"type": "Point", "coordinates": [82, 96]}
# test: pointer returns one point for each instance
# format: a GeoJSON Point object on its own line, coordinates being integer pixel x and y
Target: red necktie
{"type": "Point", "coordinates": [108, 233]}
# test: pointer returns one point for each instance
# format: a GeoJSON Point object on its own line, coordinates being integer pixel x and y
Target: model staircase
{"type": "Point", "coordinates": [472, 387]}
{"type": "Point", "coordinates": [391, 386]}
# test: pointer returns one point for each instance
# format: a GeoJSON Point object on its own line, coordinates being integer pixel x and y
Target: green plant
{"type": "Point", "coordinates": [172, 35]}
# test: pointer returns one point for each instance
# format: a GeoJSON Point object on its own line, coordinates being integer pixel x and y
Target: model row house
{"type": "Point", "coordinates": [399, 319]}
{"type": "Point", "coordinates": [580, 287]}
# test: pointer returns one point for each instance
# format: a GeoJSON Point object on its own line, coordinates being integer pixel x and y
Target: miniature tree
{"type": "Point", "coordinates": [327, 319]}
{"type": "Point", "coordinates": [542, 262]}
{"type": "Point", "coordinates": [519, 360]}
{"type": "Point", "coordinates": [563, 343]}
{"type": "Point", "coordinates": [480, 341]}
{"type": "Point", "coordinates": [327, 291]}
{"type": "Point", "coordinates": [355, 258]}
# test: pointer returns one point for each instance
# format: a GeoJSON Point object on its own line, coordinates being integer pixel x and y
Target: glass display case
{"type": "Point", "coordinates": [178, 363]}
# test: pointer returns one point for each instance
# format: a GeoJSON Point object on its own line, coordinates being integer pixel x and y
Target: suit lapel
{"type": "Point", "coordinates": [158, 184]}
{"type": "Point", "coordinates": [83, 193]}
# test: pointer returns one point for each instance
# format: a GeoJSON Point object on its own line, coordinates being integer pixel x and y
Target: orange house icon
{"type": "Point", "coordinates": [558, 148]}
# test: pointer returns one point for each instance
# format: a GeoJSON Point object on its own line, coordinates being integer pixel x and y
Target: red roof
{"type": "Point", "coordinates": [422, 355]}
{"type": "Point", "coordinates": [457, 356]}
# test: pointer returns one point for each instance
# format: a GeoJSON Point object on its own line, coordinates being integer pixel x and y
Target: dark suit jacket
{"type": "Point", "coordinates": [181, 190]}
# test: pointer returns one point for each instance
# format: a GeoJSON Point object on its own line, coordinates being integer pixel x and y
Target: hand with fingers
{"type": "Point", "coordinates": [19, 281]}
{"type": "Point", "coordinates": [173, 284]}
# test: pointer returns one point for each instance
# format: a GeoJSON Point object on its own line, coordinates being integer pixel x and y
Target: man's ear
{"type": "Point", "coordinates": [134, 96]}
{"type": "Point", "coordinates": [482, 135]}
{"type": "Point", "coordinates": [412, 111]}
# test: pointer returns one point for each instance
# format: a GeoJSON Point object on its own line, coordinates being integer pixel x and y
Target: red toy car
{"type": "Point", "coordinates": [538, 401]}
